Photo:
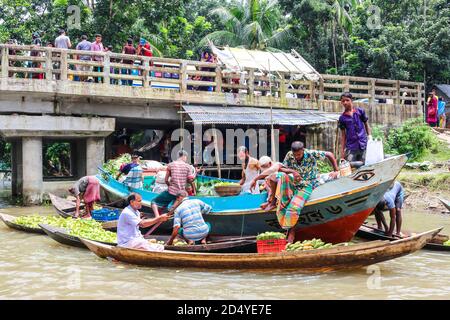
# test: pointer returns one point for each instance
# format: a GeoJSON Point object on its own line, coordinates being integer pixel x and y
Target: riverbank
{"type": "Point", "coordinates": [424, 189]}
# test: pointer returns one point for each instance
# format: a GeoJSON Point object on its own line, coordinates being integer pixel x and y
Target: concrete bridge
{"type": "Point", "coordinates": [42, 97]}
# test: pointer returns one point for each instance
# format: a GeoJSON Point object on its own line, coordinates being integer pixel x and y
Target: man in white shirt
{"type": "Point", "coordinates": [128, 233]}
{"type": "Point", "coordinates": [63, 41]}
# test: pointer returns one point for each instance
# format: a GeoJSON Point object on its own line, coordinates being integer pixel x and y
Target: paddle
{"type": "Point", "coordinates": [154, 228]}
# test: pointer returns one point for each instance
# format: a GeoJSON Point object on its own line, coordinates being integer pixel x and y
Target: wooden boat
{"type": "Point", "coordinates": [369, 232]}
{"type": "Point", "coordinates": [66, 208]}
{"type": "Point", "coordinates": [62, 236]}
{"type": "Point", "coordinates": [336, 258]}
{"type": "Point", "coordinates": [9, 221]}
{"type": "Point", "coordinates": [446, 203]}
{"type": "Point", "coordinates": [334, 212]}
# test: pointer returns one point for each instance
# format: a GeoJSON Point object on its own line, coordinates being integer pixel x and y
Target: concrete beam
{"type": "Point", "coordinates": [124, 94]}
{"type": "Point", "coordinates": [12, 126]}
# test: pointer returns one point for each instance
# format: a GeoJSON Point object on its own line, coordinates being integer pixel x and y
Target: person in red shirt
{"type": "Point", "coordinates": [128, 49]}
{"type": "Point", "coordinates": [144, 48]}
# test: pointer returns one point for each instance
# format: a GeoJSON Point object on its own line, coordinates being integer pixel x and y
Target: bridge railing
{"type": "Point", "coordinates": [186, 76]}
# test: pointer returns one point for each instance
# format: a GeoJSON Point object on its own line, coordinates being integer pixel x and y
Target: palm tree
{"type": "Point", "coordinates": [340, 10]}
{"type": "Point", "coordinates": [251, 24]}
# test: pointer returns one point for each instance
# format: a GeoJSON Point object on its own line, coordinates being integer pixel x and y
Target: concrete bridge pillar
{"type": "Point", "coordinates": [32, 170]}
{"type": "Point", "coordinates": [95, 154]}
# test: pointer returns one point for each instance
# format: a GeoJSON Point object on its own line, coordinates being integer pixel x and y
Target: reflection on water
{"type": "Point", "coordinates": [36, 267]}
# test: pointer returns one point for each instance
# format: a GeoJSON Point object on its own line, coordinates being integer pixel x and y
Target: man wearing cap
{"type": "Point", "coordinates": [269, 170]}
{"type": "Point", "coordinates": [133, 171]}
{"type": "Point", "coordinates": [144, 48]}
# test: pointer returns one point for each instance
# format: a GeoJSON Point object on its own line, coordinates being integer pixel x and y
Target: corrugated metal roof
{"type": "Point", "coordinates": [271, 62]}
{"type": "Point", "coordinates": [256, 116]}
{"type": "Point", "coordinates": [445, 88]}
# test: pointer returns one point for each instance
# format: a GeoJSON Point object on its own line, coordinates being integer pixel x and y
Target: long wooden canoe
{"type": "Point", "coordinates": [62, 236]}
{"type": "Point", "coordinates": [446, 203]}
{"type": "Point", "coordinates": [336, 258]}
{"type": "Point", "coordinates": [369, 232]}
{"type": "Point", "coordinates": [9, 221]}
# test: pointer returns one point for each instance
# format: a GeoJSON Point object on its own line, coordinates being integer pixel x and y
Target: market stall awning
{"type": "Point", "coordinates": [256, 116]}
{"type": "Point", "coordinates": [270, 62]}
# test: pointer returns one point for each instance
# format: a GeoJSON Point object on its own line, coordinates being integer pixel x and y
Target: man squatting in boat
{"type": "Point", "coordinates": [292, 182]}
{"type": "Point", "coordinates": [86, 189]}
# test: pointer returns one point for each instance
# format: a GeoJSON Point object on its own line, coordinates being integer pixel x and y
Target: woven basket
{"type": "Point", "coordinates": [225, 191]}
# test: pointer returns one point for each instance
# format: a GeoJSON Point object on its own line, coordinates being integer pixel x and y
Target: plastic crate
{"type": "Point", "coordinates": [105, 214]}
{"type": "Point", "coordinates": [271, 245]}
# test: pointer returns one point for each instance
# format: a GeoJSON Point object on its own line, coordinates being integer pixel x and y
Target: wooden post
{"type": "Point", "coordinates": [106, 68]}
{"type": "Point", "coordinates": [347, 84]}
{"type": "Point", "coordinates": [48, 65]}
{"type": "Point", "coordinates": [63, 65]}
{"type": "Point", "coordinates": [397, 98]}
{"type": "Point", "coordinates": [312, 90]}
{"type": "Point", "coordinates": [183, 77]}
{"type": "Point", "coordinates": [5, 62]}
{"type": "Point", "coordinates": [218, 79]}
{"type": "Point", "coordinates": [321, 90]}
{"type": "Point", "coordinates": [251, 82]}
{"type": "Point", "coordinates": [146, 73]}
{"type": "Point", "coordinates": [372, 92]}
{"type": "Point", "coordinates": [283, 98]}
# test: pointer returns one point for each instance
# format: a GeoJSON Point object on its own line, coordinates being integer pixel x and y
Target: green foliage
{"type": "Point", "coordinates": [414, 137]}
{"type": "Point", "coordinates": [324, 166]}
{"type": "Point", "coordinates": [253, 24]}
{"type": "Point", "coordinates": [5, 154]}
{"type": "Point", "coordinates": [57, 159]}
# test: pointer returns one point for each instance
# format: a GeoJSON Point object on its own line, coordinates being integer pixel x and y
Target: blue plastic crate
{"type": "Point", "coordinates": [105, 214]}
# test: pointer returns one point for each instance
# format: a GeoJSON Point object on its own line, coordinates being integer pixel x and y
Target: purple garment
{"type": "Point", "coordinates": [355, 131]}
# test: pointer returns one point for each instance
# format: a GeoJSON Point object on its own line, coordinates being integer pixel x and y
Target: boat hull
{"type": "Point", "coordinates": [338, 258]}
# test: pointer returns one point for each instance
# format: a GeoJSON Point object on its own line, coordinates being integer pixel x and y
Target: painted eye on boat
{"type": "Point", "coordinates": [364, 176]}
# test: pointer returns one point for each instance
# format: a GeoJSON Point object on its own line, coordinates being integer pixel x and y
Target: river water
{"type": "Point", "coordinates": [36, 267]}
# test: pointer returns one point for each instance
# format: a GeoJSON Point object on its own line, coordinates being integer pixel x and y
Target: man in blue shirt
{"type": "Point", "coordinates": [188, 220]}
{"type": "Point", "coordinates": [393, 201]}
{"type": "Point", "coordinates": [128, 233]}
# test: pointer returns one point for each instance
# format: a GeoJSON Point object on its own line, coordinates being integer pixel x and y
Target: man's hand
{"type": "Point", "coordinates": [241, 182]}
{"type": "Point", "coordinates": [297, 176]}
{"type": "Point", "coordinates": [369, 137]}
{"type": "Point", "coordinates": [252, 185]}
{"type": "Point", "coordinates": [163, 217]}
{"type": "Point", "coordinates": [334, 174]}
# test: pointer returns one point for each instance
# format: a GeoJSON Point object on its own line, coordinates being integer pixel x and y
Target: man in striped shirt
{"type": "Point", "coordinates": [133, 171]}
{"type": "Point", "coordinates": [178, 174]}
{"type": "Point", "coordinates": [188, 220]}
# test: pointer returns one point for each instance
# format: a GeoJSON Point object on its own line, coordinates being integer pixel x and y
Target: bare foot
{"type": "Point", "coordinates": [264, 205]}
{"type": "Point", "coordinates": [270, 207]}
{"type": "Point", "coordinates": [203, 241]}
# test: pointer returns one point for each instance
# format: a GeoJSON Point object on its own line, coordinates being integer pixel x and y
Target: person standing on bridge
{"type": "Point", "coordinates": [98, 46]}
{"type": "Point", "coordinates": [84, 45]}
{"type": "Point", "coordinates": [355, 130]}
{"type": "Point", "coordinates": [63, 41]}
{"type": "Point", "coordinates": [128, 49]}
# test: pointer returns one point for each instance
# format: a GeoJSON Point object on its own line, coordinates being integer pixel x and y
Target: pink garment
{"type": "Point", "coordinates": [92, 193]}
{"type": "Point", "coordinates": [432, 110]}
